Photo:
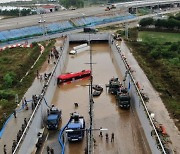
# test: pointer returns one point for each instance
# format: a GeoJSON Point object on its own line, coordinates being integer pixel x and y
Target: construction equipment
{"type": "Point", "coordinates": [123, 98]}
{"type": "Point", "coordinates": [114, 85]}
{"type": "Point", "coordinates": [76, 127]}
{"type": "Point", "coordinates": [53, 118]}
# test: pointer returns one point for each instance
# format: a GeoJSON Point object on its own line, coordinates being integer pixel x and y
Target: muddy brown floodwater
{"type": "Point", "coordinates": [129, 138]}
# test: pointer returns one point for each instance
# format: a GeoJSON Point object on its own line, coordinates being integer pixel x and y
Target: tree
{"type": "Point", "coordinates": [146, 22]}
{"type": "Point", "coordinates": [74, 3]}
{"type": "Point", "coordinates": [9, 79]}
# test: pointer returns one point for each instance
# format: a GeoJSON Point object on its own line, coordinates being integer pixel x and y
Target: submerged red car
{"type": "Point", "coordinates": [69, 77]}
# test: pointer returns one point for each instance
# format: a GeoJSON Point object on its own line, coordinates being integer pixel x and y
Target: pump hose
{"type": "Point", "coordinates": [60, 136]}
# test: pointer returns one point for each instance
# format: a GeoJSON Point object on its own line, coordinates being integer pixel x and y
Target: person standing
{"type": "Point", "coordinates": [37, 73]}
{"type": "Point", "coordinates": [52, 151]}
{"type": "Point", "coordinates": [5, 151]}
{"type": "Point", "coordinates": [23, 127]}
{"type": "Point", "coordinates": [107, 137]}
{"type": "Point", "coordinates": [100, 134]}
{"type": "Point", "coordinates": [112, 137]}
{"type": "Point", "coordinates": [24, 102]}
{"type": "Point", "coordinates": [14, 113]}
{"type": "Point", "coordinates": [25, 122]}
{"type": "Point", "coordinates": [48, 150]}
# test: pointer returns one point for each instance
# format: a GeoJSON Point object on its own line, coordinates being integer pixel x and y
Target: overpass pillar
{"type": "Point", "coordinates": [133, 10]}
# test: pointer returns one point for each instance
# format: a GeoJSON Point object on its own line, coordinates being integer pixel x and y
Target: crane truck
{"type": "Point", "coordinates": [114, 86]}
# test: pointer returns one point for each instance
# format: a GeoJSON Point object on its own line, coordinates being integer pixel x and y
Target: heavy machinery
{"type": "Point", "coordinates": [114, 86]}
{"type": "Point", "coordinates": [54, 116]}
{"type": "Point", "coordinates": [76, 127]}
{"type": "Point", "coordinates": [123, 98]}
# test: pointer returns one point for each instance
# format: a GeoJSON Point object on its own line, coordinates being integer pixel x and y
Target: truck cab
{"type": "Point", "coordinates": [76, 127]}
{"type": "Point", "coordinates": [53, 118]}
{"type": "Point", "coordinates": [123, 99]}
{"type": "Point", "coordinates": [114, 86]}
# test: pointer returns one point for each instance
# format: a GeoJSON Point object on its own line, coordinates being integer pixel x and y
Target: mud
{"type": "Point", "coordinates": [123, 123]}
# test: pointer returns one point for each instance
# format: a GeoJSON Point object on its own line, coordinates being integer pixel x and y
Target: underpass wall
{"type": "Point", "coordinates": [87, 37]}
{"type": "Point", "coordinates": [136, 101]}
{"type": "Point", "coordinates": [37, 120]}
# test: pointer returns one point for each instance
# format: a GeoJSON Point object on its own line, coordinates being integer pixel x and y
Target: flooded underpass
{"type": "Point", "coordinates": [129, 137]}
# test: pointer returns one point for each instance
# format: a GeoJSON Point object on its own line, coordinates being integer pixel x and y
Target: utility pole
{"type": "Point", "coordinates": [126, 31]}
{"type": "Point", "coordinates": [90, 143]}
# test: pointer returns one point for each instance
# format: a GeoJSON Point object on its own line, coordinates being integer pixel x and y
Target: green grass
{"type": "Point", "coordinates": [18, 61]}
{"type": "Point", "coordinates": [143, 11]}
{"type": "Point", "coordinates": [163, 71]}
{"type": "Point", "coordinates": [159, 37]}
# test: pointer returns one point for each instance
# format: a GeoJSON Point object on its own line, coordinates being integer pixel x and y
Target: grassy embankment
{"type": "Point", "coordinates": [14, 65]}
{"type": "Point", "coordinates": [159, 55]}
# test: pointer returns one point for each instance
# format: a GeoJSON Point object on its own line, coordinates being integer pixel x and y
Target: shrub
{"type": "Point", "coordinates": [7, 94]}
{"type": "Point", "coordinates": [9, 79]}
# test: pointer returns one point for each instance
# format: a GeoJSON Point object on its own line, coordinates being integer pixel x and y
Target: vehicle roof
{"type": "Point", "coordinates": [124, 97]}
{"type": "Point", "coordinates": [52, 117]}
{"type": "Point", "coordinates": [74, 125]}
{"type": "Point", "coordinates": [71, 75]}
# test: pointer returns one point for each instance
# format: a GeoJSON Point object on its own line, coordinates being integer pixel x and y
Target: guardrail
{"type": "Point", "coordinates": [138, 102]}
{"type": "Point", "coordinates": [29, 136]}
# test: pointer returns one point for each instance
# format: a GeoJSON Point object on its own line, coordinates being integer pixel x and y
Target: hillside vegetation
{"type": "Point", "coordinates": [159, 56]}
{"type": "Point", "coordinates": [14, 64]}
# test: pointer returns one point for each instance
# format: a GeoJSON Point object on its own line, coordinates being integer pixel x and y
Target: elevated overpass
{"type": "Point", "coordinates": [138, 4]}
{"type": "Point", "coordinates": [153, 4]}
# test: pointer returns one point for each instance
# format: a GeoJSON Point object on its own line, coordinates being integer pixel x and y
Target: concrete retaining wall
{"type": "Point", "coordinates": [37, 119]}
{"type": "Point", "coordinates": [87, 37]}
{"type": "Point", "coordinates": [136, 100]}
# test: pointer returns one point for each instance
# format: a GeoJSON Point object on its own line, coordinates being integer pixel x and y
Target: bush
{"type": "Point", "coordinates": [7, 94]}
{"type": "Point", "coordinates": [9, 79]}
{"type": "Point", "coordinates": [146, 22]}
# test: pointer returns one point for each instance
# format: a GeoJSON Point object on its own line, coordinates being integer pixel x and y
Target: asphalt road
{"type": "Point", "coordinates": [124, 123]}
{"type": "Point", "coordinates": [13, 23]}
